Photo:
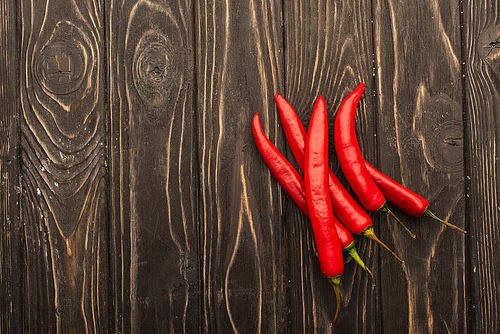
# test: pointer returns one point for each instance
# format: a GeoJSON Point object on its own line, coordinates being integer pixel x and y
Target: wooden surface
{"type": "Point", "coordinates": [133, 198]}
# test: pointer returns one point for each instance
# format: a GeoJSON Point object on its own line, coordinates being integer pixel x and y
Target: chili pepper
{"type": "Point", "coordinates": [345, 207]}
{"type": "Point", "coordinates": [351, 160]}
{"type": "Point", "coordinates": [403, 198]}
{"type": "Point", "coordinates": [349, 245]}
{"type": "Point", "coordinates": [290, 180]}
{"type": "Point", "coordinates": [293, 184]}
{"type": "Point", "coordinates": [319, 202]}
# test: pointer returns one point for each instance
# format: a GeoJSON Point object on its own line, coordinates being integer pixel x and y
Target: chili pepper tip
{"type": "Point", "coordinates": [428, 213]}
{"type": "Point", "coordinates": [371, 235]}
{"type": "Point", "coordinates": [386, 209]}
{"type": "Point", "coordinates": [335, 281]}
{"type": "Point", "coordinates": [351, 250]}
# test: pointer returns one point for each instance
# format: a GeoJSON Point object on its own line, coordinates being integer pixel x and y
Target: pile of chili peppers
{"type": "Point", "coordinates": [334, 213]}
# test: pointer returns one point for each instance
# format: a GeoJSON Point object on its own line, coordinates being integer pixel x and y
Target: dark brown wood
{"type": "Point", "coordinates": [133, 198]}
{"type": "Point", "coordinates": [6, 227]}
{"type": "Point", "coordinates": [329, 52]}
{"type": "Point", "coordinates": [9, 167]}
{"type": "Point", "coordinates": [481, 72]}
{"type": "Point", "coordinates": [420, 139]}
{"type": "Point", "coordinates": [239, 58]}
{"type": "Point", "coordinates": [65, 245]}
{"type": "Point", "coordinates": [154, 167]}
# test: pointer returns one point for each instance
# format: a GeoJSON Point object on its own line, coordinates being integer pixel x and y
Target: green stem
{"type": "Point", "coordinates": [351, 250]}
{"type": "Point", "coordinates": [335, 281]}
{"type": "Point", "coordinates": [428, 213]}
{"type": "Point", "coordinates": [370, 234]}
{"type": "Point", "coordinates": [386, 209]}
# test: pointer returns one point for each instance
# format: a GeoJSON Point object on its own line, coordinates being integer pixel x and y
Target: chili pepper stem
{"type": "Point", "coordinates": [370, 234]}
{"type": "Point", "coordinates": [335, 281]}
{"type": "Point", "coordinates": [386, 209]}
{"type": "Point", "coordinates": [428, 213]}
{"type": "Point", "coordinates": [351, 250]}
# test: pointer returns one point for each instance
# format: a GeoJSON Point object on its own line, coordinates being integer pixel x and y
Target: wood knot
{"type": "Point", "coordinates": [448, 146]}
{"type": "Point", "coordinates": [454, 141]}
{"type": "Point", "coordinates": [61, 64]}
{"type": "Point", "coordinates": [153, 70]}
{"type": "Point", "coordinates": [63, 84]}
{"type": "Point", "coordinates": [489, 44]}
{"type": "Point", "coordinates": [153, 63]}
{"type": "Point", "coordinates": [436, 125]}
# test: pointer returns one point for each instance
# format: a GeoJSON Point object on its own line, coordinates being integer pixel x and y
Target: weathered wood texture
{"type": "Point", "coordinates": [9, 165]}
{"type": "Point", "coordinates": [328, 53]}
{"type": "Point", "coordinates": [239, 57]}
{"type": "Point", "coordinates": [420, 144]}
{"type": "Point", "coordinates": [481, 71]}
{"type": "Point", "coordinates": [64, 215]}
{"type": "Point", "coordinates": [133, 198]}
{"type": "Point", "coordinates": [154, 169]}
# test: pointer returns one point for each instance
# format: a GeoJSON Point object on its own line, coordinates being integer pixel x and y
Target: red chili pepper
{"type": "Point", "coordinates": [318, 199]}
{"type": "Point", "coordinates": [349, 245]}
{"type": "Point", "coordinates": [351, 160]}
{"type": "Point", "coordinates": [403, 198]}
{"type": "Point", "coordinates": [290, 180]}
{"type": "Point", "coordinates": [293, 184]}
{"type": "Point", "coordinates": [345, 207]}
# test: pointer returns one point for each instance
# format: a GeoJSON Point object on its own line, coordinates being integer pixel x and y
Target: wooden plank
{"type": "Point", "coordinates": [9, 164]}
{"type": "Point", "coordinates": [420, 139]}
{"type": "Point", "coordinates": [328, 52]}
{"type": "Point", "coordinates": [482, 83]}
{"type": "Point", "coordinates": [239, 69]}
{"type": "Point", "coordinates": [8, 222]}
{"type": "Point", "coordinates": [9, 132]}
{"type": "Point", "coordinates": [154, 168]}
{"type": "Point", "coordinates": [199, 235]}
{"type": "Point", "coordinates": [119, 173]}
{"type": "Point", "coordinates": [64, 243]}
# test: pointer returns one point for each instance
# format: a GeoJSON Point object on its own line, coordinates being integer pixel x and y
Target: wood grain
{"type": "Point", "coordinates": [420, 136]}
{"type": "Point", "coordinates": [9, 167]}
{"type": "Point", "coordinates": [154, 167]}
{"type": "Point", "coordinates": [133, 198]}
{"type": "Point", "coordinates": [482, 81]}
{"type": "Point", "coordinates": [239, 69]}
{"type": "Point", "coordinates": [63, 176]}
{"type": "Point", "coordinates": [8, 222]}
{"type": "Point", "coordinates": [329, 51]}
{"type": "Point", "coordinates": [9, 129]}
